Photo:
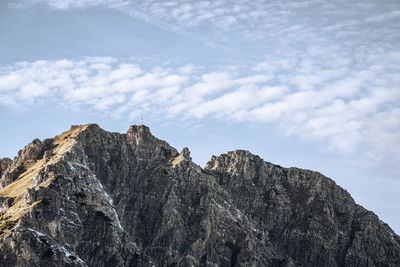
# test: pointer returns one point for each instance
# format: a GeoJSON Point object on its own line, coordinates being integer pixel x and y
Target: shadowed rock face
{"type": "Point", "coordinates": [93, 198]}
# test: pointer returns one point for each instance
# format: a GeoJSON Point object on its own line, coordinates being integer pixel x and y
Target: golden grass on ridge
{"type": "Point", "coordinates": [17, 189]}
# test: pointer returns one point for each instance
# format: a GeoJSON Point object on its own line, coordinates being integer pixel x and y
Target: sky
{"type": "Point", "coordinates": [305, 83]}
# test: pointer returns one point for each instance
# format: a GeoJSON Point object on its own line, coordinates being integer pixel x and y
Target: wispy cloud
{"type": "Point", "coordinates": [350, 111]}
{"type": "Point", "coordinates": [67, 4]}
{"type": "Point", "coordinates": [325, 72]}
{"type": "Point", "coordinates": [254, 19]}
{"type": "Point", "coordinates": [383, 17]}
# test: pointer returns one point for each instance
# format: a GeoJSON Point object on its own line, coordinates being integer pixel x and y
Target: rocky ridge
{"type": "Point", "coordinates": [89, 197]}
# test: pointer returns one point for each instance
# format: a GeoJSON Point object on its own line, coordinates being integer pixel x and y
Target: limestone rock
{"type": "Point", "coordinates": [4, 163]}
{"type": "Point", "coordinates": [93, 198]}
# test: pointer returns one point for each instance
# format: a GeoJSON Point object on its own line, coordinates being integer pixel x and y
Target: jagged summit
{"type": "Point", "coordinates": [89, 197]}
{"type": "Point", "coordinates": [139, 128]}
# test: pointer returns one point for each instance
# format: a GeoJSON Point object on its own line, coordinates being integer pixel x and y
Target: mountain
{"type": "Point", "coordinates": [89, 197]}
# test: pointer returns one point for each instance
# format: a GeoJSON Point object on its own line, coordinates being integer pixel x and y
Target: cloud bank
{"type": "Point", "coordinates": [254, 19]}
{"type": "Point", "coordinates": [354, 112]}
{"type": "Point", "coordinates": [325, 72]}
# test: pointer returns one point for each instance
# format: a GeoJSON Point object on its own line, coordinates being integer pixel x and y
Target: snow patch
{"type": "Point", "coordinates": [37, 234]}
{"type": "Point", "coordinates": [110, 201]}
{"type": "Point", "coordinates": [100, 189]}
{"type": "Point", "coordinates": [239, 214]}
{"type": "Point", "coordinates": [117, 219]}
{"type": "Point", "coordinates": [71, 166]}
{"type": "Point", "coordinates": [76, 164]}
{"type": "Point", "coordinates": [220, 207]}
{"type": "Point", "coordinates": [107, 196]}
{"type": "Point", "coordinates": [223, 210]}
{"type": "Point", "coordinates": [68, 254]}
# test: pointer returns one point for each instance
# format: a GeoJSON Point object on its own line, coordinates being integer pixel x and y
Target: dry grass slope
{"type": "Point", "coordinates": [17, 189]}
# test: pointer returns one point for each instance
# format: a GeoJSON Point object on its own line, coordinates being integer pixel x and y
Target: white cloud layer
{"type": "Point", "coordinates": [355, 112]}
{"type": "Point", "coordinates": [326, 72]}
{"type": "Point", "coordinates": [255, 19]}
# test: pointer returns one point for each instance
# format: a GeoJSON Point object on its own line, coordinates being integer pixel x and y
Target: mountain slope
{"type": "Point", "coordinates": [93, 198]}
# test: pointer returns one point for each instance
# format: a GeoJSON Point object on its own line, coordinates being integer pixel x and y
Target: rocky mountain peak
{"type": "Point", "coordinates": [89, 197]}
{"type": "Point", "coordinates": [140, 133]}
{"type": "Point", "coordinates": [139, 130]}
{"type": "Point", "coordinates": [237, 158]}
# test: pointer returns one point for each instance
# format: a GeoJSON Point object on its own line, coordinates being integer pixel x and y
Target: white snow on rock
{"type": "Point", "coordinates": [76, 164]}
{"type": "Point", "coordinates": [37, 234]}
{"type": "Point", "coordinates": [55, 247]}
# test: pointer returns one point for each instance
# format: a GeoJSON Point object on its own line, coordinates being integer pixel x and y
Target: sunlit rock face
{"type": "Point", "coordinates": [89, 197]}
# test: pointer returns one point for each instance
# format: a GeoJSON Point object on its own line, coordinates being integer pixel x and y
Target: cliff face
{"type": "Point", "coordinates": [93, 198]}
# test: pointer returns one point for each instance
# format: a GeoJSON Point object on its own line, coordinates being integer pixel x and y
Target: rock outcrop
{"type": "Point", "coordinates": [4, 163]}
{"type": "Point", "coordinates": [89, 197]}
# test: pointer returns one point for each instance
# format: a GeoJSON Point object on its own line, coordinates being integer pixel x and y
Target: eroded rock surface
{"type": "Point", "coordinates": [4, 163]}
{"type": "Point", "coordinates": [89, 197]}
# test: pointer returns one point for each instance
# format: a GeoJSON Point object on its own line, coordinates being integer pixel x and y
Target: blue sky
{"type": "Point", "coordinates": [312, 84]}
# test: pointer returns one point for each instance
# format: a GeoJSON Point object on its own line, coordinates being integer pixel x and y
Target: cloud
{"type": "Point", "coordinates": [386, 16]}
{"type": "Point", "coordinates": [351, 111]}
{"type": "Point", "coordinates": [325, 72]}
{"type": "Point", "coordinates": [68, 4]}
{"type": "Point", "coordinates": [251, 19]}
